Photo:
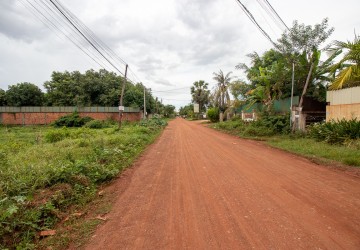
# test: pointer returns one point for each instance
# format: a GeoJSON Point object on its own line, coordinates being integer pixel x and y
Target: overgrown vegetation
{"type": "Point", "coordinates": [213, 114]}
{"type": "Point", "coordinates": [72, 120]}
{"type": "Point", "coordinates": [267, 125]}
{"type": "Point", "coordinates": [336, 132]}
{"type": "Point", "coordinates": [44, 171]}
{"type": "Point", "coordinates": [335, 141]}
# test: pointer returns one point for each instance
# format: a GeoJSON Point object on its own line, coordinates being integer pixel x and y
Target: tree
{"type": "Point", "coordinates": [348, 66]}
{"type": "Point", "coordinates": [239, 90]}
{"type": "Point", "coordinates": [24, 94]}
{"type": "Point", "coordinates": [200, 94]}
{"type": "Point", "coordinates": [187, 110]}
{"type": "Point", "coordinates": [2, 97]}
{"type": "Point", "coordinates": [169, 110]}
{"type": "Point", "coordinates": [221, 95]}
{"type": "Point", "coordinates": [305, 40]}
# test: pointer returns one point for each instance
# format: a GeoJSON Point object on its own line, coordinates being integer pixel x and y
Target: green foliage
{"type": "Point", "coordinates": [168, 111]}
{"type": "Point", "coordinates": [213, 114]}
{"type": "Point", "coordinates": [266, 125]}
{"type": "Point", "coordinates": [97, 88]}
{"type": "Point", "coordinates": [319, 151]}
{"type": "Point", "coordinates": [2, 97]}
{"type": "Point", "coordinates": [200, 94]}
{"type": "Point", "coordinates": [270, 74]}
{"type": "Point", "coordinates": [56, 135]}
{"type": "Point", "coordinates": [45, 170]}
{"type": "Point", "coordinates": [349, 65]}
{"type": "Point", "coordinates": [187, 111]}
{"type": "Point", "coordinates": [97, 124]}
{"type": "Point", "coordinates": [72, 120]}
{"type": "Point", "coordinates": [239, 90]}
{"type": "Point", "coordinates": [221, 93]}
{"type": "Point", "coordinates": [24, 94]}
{"type": "Point", "coordinates": [153, 122]}
{"type": "Point", "coordinates": [336, 132]}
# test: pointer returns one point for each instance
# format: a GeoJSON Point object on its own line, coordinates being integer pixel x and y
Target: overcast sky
{"type": "Point", "coordinates": [169, 44]}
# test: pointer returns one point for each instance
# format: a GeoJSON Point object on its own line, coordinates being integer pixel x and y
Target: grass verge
{"type": "Point", "coordinates": [47, 173]}
{"type": "Point", "coordinates": [314, 149]}
{"type": "Point", "coordinates": [326, 153]}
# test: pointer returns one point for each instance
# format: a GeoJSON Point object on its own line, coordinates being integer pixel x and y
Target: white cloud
{"type": "Point", "coordinates": [167, 43]}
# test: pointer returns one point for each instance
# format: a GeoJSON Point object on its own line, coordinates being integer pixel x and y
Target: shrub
{"type": "Point", "coordinates": [336, 132]}
{"type": "Point", "coordinates": [96, 124]}
{"type": "Point", "coordinates": [72, 120]}
{"type": "Point", "coordinates": [56, 135]}
{"type": "Point", "coordinates": [153, 122]}
{"type": "Point", "coordinates": [213, 114]}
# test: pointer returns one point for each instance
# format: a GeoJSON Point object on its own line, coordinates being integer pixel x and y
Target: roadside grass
{"type": "Point", "coordinates": [348, 154]}
{"type": "Point", "coordinates": [47, 173]}
{"type": "Point", "coordinates": [310, 148]}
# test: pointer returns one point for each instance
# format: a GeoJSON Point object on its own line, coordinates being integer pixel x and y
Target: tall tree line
{"type": "Point", "coordinates": [92, 88]}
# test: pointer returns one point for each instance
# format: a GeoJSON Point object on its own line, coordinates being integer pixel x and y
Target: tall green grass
{"type": "Point", "coordinates": [45, 170]}
{"type": "Point", "coordinates": [334, 141]}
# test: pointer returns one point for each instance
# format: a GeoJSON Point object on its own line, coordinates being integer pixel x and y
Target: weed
{"type": "Point", "coordinates": [41, 179]}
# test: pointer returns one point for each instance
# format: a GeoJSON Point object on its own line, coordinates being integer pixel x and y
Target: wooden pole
{"type": "Point", "coordinates": [122, 96]}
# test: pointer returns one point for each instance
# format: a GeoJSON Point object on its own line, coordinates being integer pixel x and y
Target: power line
{"type": "Point", "coordinates": [91, 34]}
{"type": "Point", "coordinates": [61, 20]}
{"type": "Point", "coordinates": [253, 20]}
{"type": "Point", "coordinates": [53, 26]}
{"type": "Point", "coordinates": [274, 11]}
{"type": "Point", "coordinates": [170, 90]}
{"type": "Point", "coordinates": [86, 38]}
{"type": "Point", "coordinates": [270, 13]}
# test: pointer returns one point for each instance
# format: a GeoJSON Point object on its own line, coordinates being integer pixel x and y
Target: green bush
{"type": "Point", "coordinates": [96, 124]}
{"type": "Point", "coordinates": [72, 120]}
{"type": "Point", "coordinates": [336, 132]}
{"type": "Point", "coordinates": [266, 125]}
{"type": "Point", "coordinates": [153, 122]}
{"type": "Point", "coordinates": [213, 114]}
{"type": "Point", "coordinates": [56, 135]}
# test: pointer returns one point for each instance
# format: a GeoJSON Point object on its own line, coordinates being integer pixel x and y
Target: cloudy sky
{"type": "Point", "coordinates": [168, 44]}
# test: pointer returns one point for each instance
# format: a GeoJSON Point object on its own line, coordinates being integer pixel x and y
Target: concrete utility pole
{"type": "Point", "coordinates": [121, 107]}
{"type": "Point", "coordinates": [144, 103]}
{"type": "Point", "coordinates": [292, 91]}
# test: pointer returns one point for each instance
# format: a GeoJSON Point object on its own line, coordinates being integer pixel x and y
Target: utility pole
{"type": "Point", "coordinates": [144, 102]}
{"type": "Point", "coordinates": [292, 91]}
{"type": "Point", "coordinates": [121, 107]}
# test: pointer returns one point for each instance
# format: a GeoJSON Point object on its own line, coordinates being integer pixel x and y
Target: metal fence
{"type": "Point", "coordinates": [343, 96]}
{"type": "Point", "coordinates": [279, 106]}
{"type": "Point", "coordinates": [5, 109]}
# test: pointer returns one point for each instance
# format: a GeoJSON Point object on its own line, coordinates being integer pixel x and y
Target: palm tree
{"type": "Point", "coordinates": [349, 65]}
{"type": "Point", "coordinates": [221, 95]}
{"type": "Point", "coordinates": [200, 94]}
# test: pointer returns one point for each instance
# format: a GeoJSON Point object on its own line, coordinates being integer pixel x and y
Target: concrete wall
{"type": "Point", "coordinates": [40, 118]}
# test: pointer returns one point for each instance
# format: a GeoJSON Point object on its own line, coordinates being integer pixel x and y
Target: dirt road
{"type": "Point", "coordinates": [196, 188]}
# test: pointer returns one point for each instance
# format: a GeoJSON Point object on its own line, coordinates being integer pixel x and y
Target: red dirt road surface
{"type": "Point", "coordinates": [196, 188]}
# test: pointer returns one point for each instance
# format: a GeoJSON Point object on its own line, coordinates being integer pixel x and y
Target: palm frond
{"type": "Point", "coordinates": [343, 77]}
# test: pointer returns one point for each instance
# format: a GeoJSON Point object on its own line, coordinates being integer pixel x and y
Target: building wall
{"type": "Point", "coordinates": [343, 104]}
{"type": "Point", "coordinates": [40, 118]}
{"type": "Point", "coordinates": [343, 111]}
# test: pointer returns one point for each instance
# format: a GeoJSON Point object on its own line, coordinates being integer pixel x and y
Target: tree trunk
{"type": "Point", "coordinates": [221, 116]}
{"type": "Point", "coordinates": [306, 85]}
{"type": "Point", "coordinates": [303, 94]}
